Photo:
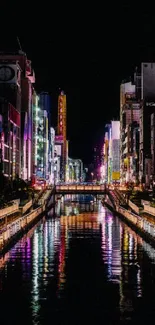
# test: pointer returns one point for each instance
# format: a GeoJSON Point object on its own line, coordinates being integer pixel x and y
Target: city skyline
{"type": "Point", "coordinates": [88, 61]}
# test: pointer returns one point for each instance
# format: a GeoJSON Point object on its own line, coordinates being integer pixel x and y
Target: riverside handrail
{"type": "Point", "coordinates": [26, 206]}
{"type": "Point", "coordinates": [10, 230]}
{"type": "Point", "coordinates": [9, 209]}
{"type": "Point", "coordinates": [133, 206]}
{"type": "Point", "coordinates": [140, 222]}
{"type": "Point", "coordinates": [80, 187]}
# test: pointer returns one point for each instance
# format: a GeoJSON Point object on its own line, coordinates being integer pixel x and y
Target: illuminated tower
{"type": "Point", "coordinates": [62, 131]}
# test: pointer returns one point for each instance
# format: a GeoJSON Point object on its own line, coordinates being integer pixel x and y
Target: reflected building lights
{"type": "Point", "coordinates": [116, 251]}
{"type": "Point", "coordinates": [139, 283]}
{"type": "Point", "coordinates": [109, 246]}
{"type": "Point", "coordinates": [61, 267]}
{"type": "Point", "coordinates": [46, 248]}
{"type": "Point", "coordinates": [35, 275]}
{"type": "Point", "coordinates": [46, 237]}
{"type": "Point", "coordinates": [149, 250]}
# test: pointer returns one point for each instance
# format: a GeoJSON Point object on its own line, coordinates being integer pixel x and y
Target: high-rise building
{"type": "Point", "coordinates": [75, 170]}
{"type": "Point", "coordinates": [36, 136]}
{"type": "Point", "coordinates": [10, 111]}
{"type": "Point", "coordinates": [106, 153]}
{"type": "Point", "coordinates": [51, 155]}
{"type": "Point", "coordinates": [45, 104]}
{"type": "Point", "coordinates": [147, 71]}
{"type": "Point", "coordinates": [115, 151]}
{"type": "Point", "coordinates": [136, 124]}
{"type": "Point", "coordinates": [110, 167]}
{"type": "Point", "coordinates": [97, 160]}
{"type": "Point", "coordinates": [129, 119]}
{"type": "Point", "coordinates": [58, 147]}
{"type": "Point", "coordinates": [16, 85]}
{"type": "Point", "coordinates": [40, 159]}
{"type": "Point", "coordinates": [9, 140]}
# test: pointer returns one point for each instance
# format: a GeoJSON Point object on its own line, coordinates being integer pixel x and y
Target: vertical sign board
{"type": "Point", "coordinates": [62, 127]}
{"type": "Point", "coordinates": [14, 153]}
{"type": "Point", "coordinates": [116, 159]}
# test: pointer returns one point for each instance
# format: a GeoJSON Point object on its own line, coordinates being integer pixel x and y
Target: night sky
{"type": "Point", "coordinates": [86, 51]}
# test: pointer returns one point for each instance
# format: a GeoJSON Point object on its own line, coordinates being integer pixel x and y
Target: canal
{"type": "Point", "coordinates": [79, 265]}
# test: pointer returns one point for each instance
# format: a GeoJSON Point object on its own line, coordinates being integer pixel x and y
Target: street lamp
{"type": "Point", "coordinates": [92, 174]}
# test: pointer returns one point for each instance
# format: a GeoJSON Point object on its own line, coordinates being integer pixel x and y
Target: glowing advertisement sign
{"type": "Point", "coordinates": [115, 159]}
{"type": "Point", "coordinates": [59, 138]}
{"type": "Point", "coordinates": [14, 153]}
{"type": "Point", "coordinates": [62, 115]}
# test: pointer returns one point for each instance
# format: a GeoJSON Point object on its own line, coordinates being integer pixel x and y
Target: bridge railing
{"type": "Point", "coordinates": [80, 188]}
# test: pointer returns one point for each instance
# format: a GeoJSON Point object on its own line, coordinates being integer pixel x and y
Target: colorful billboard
{"type": "Point", "coordinates": [115, 176]}
{"type": "Point", "coordinates": [62, 115]}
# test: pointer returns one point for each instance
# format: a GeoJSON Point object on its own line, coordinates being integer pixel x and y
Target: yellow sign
{"type": "Point", "coordinates": [115, 176]}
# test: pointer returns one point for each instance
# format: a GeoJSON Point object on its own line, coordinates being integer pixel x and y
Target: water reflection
{"type": "Point", "coordinates": [84, 266]}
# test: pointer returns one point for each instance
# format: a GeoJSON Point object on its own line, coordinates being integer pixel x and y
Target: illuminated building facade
{"type": "Point", "coordinates": [129, 126]}
{"type": "Point", "coordinates": [10, 111]}
{"type": "Point", "coordinates": [114, 153]}
{"type": "Point", "coordinates": [106, 153]}
{"type": "Point", "coordinates": [9, 140]}
{"type": "Point", "coordinates": [75, 170]}
{"type": "Point", "coordinates": [51, 155]}
{"type": "Point", "coordinates": [110, 154]}
{"type": "Point", "coordinates": [147, 79]}
{"type": "Point", "coordinates": [110, 167]}
{"type": "Point", "coordinates": [16, 80]}
{"type": "Point", "coordinates": [43, 145]}
{"type": "Point", "coordinates": [45, 104]}
{"type": "Point", "coordinates": [57, 166]}
{"type": "Point", "coordinates": [137, 104]}
{"type": "Point", "coordinates": [40, 141]}
{"type": "Point", "coordinates": [58, 150]}
{"type": "Point", "coordinates": [97, 161]}
{"type": "Point", "coordinates": [35, 134]}
{"type": "Point", "coordinates": [37, 138]}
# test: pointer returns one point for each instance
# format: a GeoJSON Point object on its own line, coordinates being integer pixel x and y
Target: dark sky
{"type": "Point", "coordinates": [86, 51]}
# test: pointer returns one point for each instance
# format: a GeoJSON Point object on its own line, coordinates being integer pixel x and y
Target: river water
{"type": "Point", "coordinates": [81, 266]}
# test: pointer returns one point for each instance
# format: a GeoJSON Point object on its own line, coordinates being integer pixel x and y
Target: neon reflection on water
{"type": "Point", "coordinates": [122, 250]}
{"type": "Point", "coordinates": [46, 241]}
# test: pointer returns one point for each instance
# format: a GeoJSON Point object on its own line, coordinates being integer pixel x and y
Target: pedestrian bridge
{"type": "Point", "coordinates": [80, 189]}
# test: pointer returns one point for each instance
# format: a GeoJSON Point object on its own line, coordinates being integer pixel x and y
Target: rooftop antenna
{"type": "Point", "coordinates": [19, 43]}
